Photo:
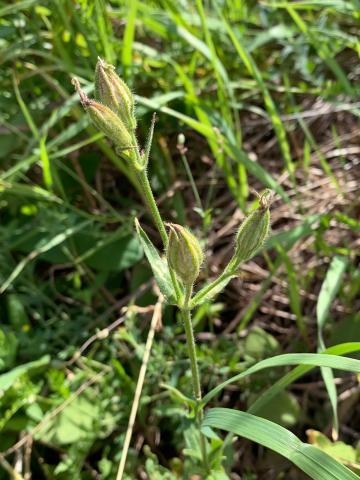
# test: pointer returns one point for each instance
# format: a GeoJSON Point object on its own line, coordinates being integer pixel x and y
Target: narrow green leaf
{"type": "Point", "coordinates": [288, 238]}
{"type": "Point", "coordinates": [46, 166]}
{"type": "Point", "coordinates": [157, 264]}
{"type": "Point", "coordinates": [42, 248]}
{"type": "Point", "coordinates": [104, 28]}
{"type": "Point", "coordinates": [293, 375]}
{"type": "Point", "coordinates": [311, 460]}
{"type": "Point", "coordinates": [315, 359]}
{"type": "Point", "coordinates": [16, 7]}
{"type": "Point", "coordinates": [210, 290]}
{"type": "Point", "coordinates": [328, 292]}
{"type": "Point", "coordinates": [293, 290]}
{"type": "Point", "coordinates": [330, 288]}
{"type": "Point", "coordinates": [255, 169]}
{"type": "Point", "coordinates": [231, 149]}
{"type": "Point", "coordinates": [129, 33]}
{"type": "Point", "coordinates": [175, 392]}
{"type": "Point", "coordinates": [255, 72]}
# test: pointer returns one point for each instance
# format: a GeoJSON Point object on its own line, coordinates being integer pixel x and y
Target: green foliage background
{"type": "Point", "coordinates": [266, 94]}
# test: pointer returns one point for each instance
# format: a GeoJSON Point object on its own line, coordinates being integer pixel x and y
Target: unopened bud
{"type": "Point", "coordinates": [105, 120]}
{"type": "Point", "coordinates": [251, 234]}
{"type": "Point", "coordinates": [113, 92]}
{"type": "Point", "coordinates": [184, 254]}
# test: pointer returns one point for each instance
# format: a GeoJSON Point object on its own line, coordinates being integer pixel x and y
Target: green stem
{"type": "Point", "coordinates": [207, 289]}
{"type": "Point", "coordinates": [151, 204]}
{"type": "Point", "coordinates": [139, 169]}
{"type": "Point", "coordinates": [140, 173]}
{"type": "Point", "coordinates": [190, 340]}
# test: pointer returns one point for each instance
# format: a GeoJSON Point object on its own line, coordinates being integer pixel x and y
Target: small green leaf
{"type": "Point", "coordinates": [283, 409]}
{"type": "Point", "coordinates": [339, 450]}
{"type": "Point", "coordinates": [8, 378]}
{"type": "Point", "coordinates": [259, 344]}
{"type": "Point", "coordinates": [8, 348]}
{"type": "Point", "coordinates": [73, 424]}
{"type": "Point", "coordinates": [157, 264]}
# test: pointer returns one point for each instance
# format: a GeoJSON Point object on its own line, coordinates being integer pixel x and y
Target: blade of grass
{"type": "Point", "coordinates": [328, 291]}
{"type": "Point", "coordinates": [269, 103]}
{"type": "Point", "coordinates": [11, 9]}
{"type": "Point", "coordinates": [105, 30]}
{"type": "Point", "coordinates": [322, 50]}
{"type": "Point", "coordinates": [296, 373]}
{"type": "Point", "coordinates": [129, 35]}
{"type": "Point", "coordinates": [45, 161]}
{"type": "Point", "coordinates": [315, 359]}
{"type": "Point", "coordinates": [225, 93]}
{"type": "Point", "coordinates": [293, 291]}
{"type": "Point", "coordinates": [254, 168]}
{"type": "Point", "coordinates": [313, 461]}
{"type": "Point", "coordinates": [57, 240]}
{"type": "Point", "coordinates": [310, 141]}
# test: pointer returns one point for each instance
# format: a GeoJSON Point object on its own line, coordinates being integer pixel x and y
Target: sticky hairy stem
{"type": "Point", "coordinates": [190, 340]}
{"type": "Point", "coordinates": [208, 288]}
{"type": "Point", "coordinates": [153, 208]}
{"type": "Point", "coordinates": [150, 202]}
{"type": "Point", "coordinates": [148, 195]}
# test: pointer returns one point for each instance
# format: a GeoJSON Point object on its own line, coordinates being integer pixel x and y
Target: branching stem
{"type": "Point", "coordinates": [208, 288]}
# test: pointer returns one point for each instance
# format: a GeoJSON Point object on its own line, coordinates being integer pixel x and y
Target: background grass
{"type": "Point", "coordinates": [266, 94]}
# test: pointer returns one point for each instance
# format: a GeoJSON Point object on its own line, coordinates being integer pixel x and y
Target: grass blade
{"type": "Point", "coordinates": [311, 460]}
{"type": "Point", "coordinates": [296, 373]}
{"type": "Point", "coordinates": [314, 359]}
{"type": "Point", "coordinates": [328, 291]}
{"type": "Point", "coordinates": [129, 34]}
{"type": "Point", "coordinates": [269, 103]}
{"type": "Point", "coordinates": [57, 240]}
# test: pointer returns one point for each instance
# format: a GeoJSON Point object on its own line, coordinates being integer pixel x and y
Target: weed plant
{"type": "Point", "coordinates": [113, 113]}
{"type": "Point", "coordinates": [95, 377]}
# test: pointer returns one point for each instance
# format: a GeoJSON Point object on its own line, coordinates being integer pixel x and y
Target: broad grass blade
{"type": "Point", "coordinates": [311, 460]}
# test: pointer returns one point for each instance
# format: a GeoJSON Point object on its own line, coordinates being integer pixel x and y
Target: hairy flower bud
{"type": "Point", "coordinates": [105, 120]}
{"type": "Point", "coordinates": [251, 234]}
{"type": "Point", "coordinates": [184, 254]}
{"type": "Point", "coordinates": [114, 93]}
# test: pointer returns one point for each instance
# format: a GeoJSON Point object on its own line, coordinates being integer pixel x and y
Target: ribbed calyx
{"type": "Point", "coordinates": [184, 254]}
{"type": "Point", "coordinates": [252, 234]}
{"type": "Point", "coordinates": [112, 91]}
{"type": "Point", "coordinates": [105, 120]}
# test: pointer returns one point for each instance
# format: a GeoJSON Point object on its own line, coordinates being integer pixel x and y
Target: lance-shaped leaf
{"type": "Point", "coordinates": [157, 264]}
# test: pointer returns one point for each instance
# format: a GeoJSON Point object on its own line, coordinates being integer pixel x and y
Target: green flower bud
{"type": "Point", "coordinates": [113, 92]}
{"type": "Point", "coordinates": [105, 120]}
{"type": "Point", "coordinates": [251, 234]}
{"type": "Point", "coordinates": [184, 254]}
